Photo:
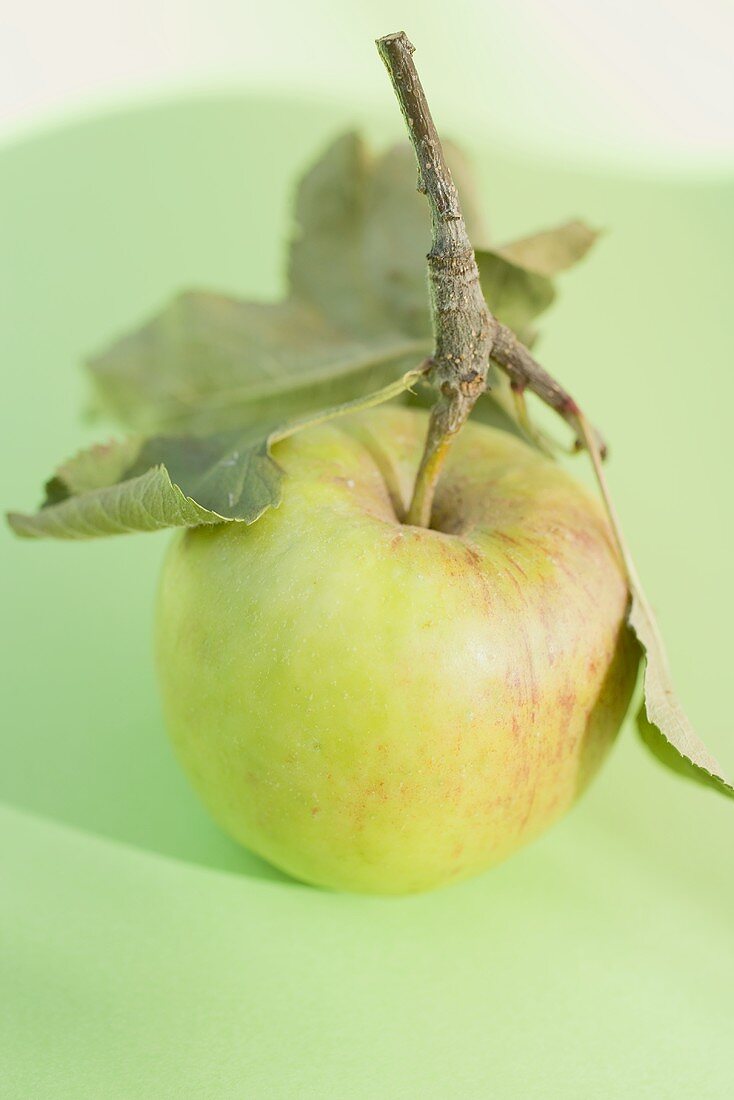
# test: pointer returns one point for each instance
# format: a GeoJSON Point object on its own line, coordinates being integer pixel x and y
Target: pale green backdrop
{"type": "Point", "coordinates": [143, 955]}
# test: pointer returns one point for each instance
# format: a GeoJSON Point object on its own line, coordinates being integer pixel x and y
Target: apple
{"type": "Point", "coordinates": [377, 707]}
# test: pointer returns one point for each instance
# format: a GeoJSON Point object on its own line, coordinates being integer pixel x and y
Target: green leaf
{"type": "Point", "coordinates": [358, 250]}
{"type": "Point", "coordinates": [99, 466]}
{"type": "Point", "coordinates": [517, 278]}
{"type": "Point", "coordinates": [208, 363]}
{"type": "Point", "coordinates": [356, 311]}
{"type": "Point", "coordinates": [145, 503]}
{"type": "Point", "coordinates": [661, 722]}
{"type": "Point", "coordinates": [552, 250]}
{"type": "Point", "coordinates": [203, 383]}
{"type": "Point", "coordinates": [362, 233]}
{"type": "Point", "coordinates": [515, 294]}
{"type": "Point", "coordinates": [170, 481]}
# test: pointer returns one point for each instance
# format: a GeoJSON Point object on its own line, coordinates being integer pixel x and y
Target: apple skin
{"type": "Point", "coordinates": [383, 708]}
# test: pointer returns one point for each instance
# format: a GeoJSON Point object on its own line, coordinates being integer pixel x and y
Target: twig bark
{"type": "Point", "coordinates": [463, 327]}
{"type": "Point", "coordinates": [465, 332]}
{"type": "Point", "coordinates": [526, 373]}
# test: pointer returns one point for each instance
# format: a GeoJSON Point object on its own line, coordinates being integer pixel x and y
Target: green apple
{"type": "Point", "coordinates": [378, 707]}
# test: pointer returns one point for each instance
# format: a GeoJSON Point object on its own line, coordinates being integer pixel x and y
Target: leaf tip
{"type": "Point", "coordinates": [20, 524]}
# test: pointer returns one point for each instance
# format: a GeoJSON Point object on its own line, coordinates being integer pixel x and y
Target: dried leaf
{"type": "Point", "coordinates": [662, 722]}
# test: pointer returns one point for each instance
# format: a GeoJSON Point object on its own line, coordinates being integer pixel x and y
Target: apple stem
{"type": "Point", "coordinates": [463, 327]}
{"type": "Point", "coordinates": [466, 334]}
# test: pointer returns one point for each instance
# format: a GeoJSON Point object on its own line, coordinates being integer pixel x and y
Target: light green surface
{"type": "Point", "coordinates": [143, 955]}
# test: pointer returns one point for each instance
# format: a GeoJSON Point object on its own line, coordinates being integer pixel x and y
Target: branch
{"type": "Point", "coordinates": [465, 332]}
{"type": "Point", "coordinates": [526, 373]}
{"type": "Point", "coordinates": [463, 327]}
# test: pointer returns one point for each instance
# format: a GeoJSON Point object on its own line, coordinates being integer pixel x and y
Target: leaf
{"type": "Point", "coordinates": [515, 294]}
{"type": "Point", "coordinates": [326, 265]}
{"type": "Point", "coordinates": [517, 278]}
{"type": "Point", "coordinates": [552, 250]}
{"type": "Point", "coordinates": [356, 312]}
{"type": "Point", "coordinates": [362, 234]}
{"type": "Point", "coordinates": [209, 363]}
{"type": "Point", "coordinates": [145, 503]}
{"type": "Point", "coordinates": [99, 466]}
{"type": "Point", "coordinates": [169, 481]}
{"type": "Point", "coordinates": [208, 378]}
{"type": "Point", "coordinates": [661, 722]}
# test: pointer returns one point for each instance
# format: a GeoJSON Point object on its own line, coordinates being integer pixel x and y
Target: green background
{"type": "Point", "coordinates": [142, 954]}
